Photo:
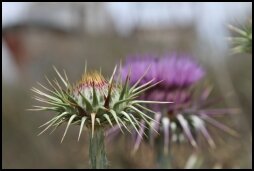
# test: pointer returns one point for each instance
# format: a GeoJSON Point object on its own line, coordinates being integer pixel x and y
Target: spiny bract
{"type": "Point", "coordinates": [94, 102]}
{"type": "Point", "coordinates": [243, 41]}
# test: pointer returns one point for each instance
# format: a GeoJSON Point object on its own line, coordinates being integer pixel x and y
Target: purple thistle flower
{"type": "Point", "coordinates": [186, 117]}
{"type": "Point", "coordinates": [176, 71]}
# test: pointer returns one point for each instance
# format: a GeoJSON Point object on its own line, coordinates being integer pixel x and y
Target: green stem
{"type": "Point", "coordinates": [97, 154]}
{"type": "Point", "coordinates": [163, 159]}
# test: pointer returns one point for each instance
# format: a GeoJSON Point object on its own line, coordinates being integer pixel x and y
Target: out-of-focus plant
{"type": "Point", "coordinates": [243, 42]}
{"type": "Point", "coordinates": [195, 161]}
{"type": "Point", "coordinates": [96, 103]}
{"type": "Point", "coordinates": [188, 116]}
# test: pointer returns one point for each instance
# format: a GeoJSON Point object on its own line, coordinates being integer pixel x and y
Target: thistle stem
{"type": "Point", "coordinates": [97, 154]}
{"type": "Point", "coordinates": [163, 159]}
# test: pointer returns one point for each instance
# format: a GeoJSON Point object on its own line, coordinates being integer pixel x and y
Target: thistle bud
{"type": "Point", "coordinates": [94, 102]}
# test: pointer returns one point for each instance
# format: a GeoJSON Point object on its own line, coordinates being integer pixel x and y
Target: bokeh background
{"type": "Point", "coordinates": [36, 36]}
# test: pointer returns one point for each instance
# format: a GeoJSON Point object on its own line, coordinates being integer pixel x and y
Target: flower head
{"type": "Point", "coordinates": [94, 102]}
{"type": "Point", "coordinates": [186, 117]}
{"type": "Point", "coordinates": [177, 73]}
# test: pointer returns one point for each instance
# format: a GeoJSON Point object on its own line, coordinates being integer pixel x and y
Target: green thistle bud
{"type": "Point", "coordinates": [243, 42]}
{"type": "Point", "coordinates": [95, 103]}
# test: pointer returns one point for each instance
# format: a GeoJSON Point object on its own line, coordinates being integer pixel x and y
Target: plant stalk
{"type": "Point", "coordinates": [163, 158]}
{"type": "Point", "coordinates": [97, 154]}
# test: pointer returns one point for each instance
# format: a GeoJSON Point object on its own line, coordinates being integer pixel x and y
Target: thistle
{"type": "Point", "coordinates": [95, 103]}
{"type": "Point", "coordinates": [243, 42]}
{"type": "Point", "coordinates": [187, 117]}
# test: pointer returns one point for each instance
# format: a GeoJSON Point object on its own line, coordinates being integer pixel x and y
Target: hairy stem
{"type": "Point", "coordinates": [97, 154]}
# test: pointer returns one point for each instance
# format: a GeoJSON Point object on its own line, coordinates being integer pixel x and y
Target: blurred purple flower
{"type": "Point", "coordinates": [187, 116]}
{"type": "Point", "coordinates": [176, 71]}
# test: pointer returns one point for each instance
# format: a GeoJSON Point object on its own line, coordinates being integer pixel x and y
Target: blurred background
{"type": "Point", "coordinates": [36, 36]}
